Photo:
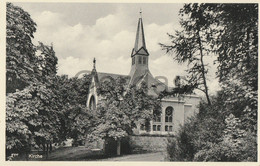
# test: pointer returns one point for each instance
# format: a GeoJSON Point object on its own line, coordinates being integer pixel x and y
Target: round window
{"type": "Point", "coordinates": [169, 111]}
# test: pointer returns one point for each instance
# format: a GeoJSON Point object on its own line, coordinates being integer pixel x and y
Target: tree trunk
{"type": "Point", "coordinates": [27, 155]}
{"type": "Point", "coordinates": [118, 149]}
{"type": "Point", "coordinates": [47, 150]}
{"type": "Point", "coordinates": [43, 147]}
{"type": "Point", "coordinates": [203, 70]}
{"type": "Point", "coordinates": [50, 146]}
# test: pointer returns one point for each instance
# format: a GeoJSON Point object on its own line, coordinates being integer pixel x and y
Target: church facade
{"type": "Point", "coordinates": [175, 110]}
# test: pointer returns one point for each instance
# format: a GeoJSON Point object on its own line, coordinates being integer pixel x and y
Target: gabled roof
{"type": "Point", "coordinates": [99, 76]}
{"type": "Point", "coordinates": [154, 86]}
{"type": "Point", "coordinates": [110, 75]}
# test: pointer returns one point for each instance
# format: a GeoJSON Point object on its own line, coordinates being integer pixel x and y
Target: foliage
{"type": "Point", "coordinates": [237, 42]}
{"type": "Point", "coordinates": [213, 135]}
{"type": "Point", "coordinates": [20, 52]}
{"type": "Point", "coordinates": [74, 117]}
{"type": "Point", "coordinates": [190, 45]}
{"type": "Point", "coordinates": [117, 114]}
{"type": "Point", "coordinates": [226, 130]}
{"type": "Point", "coordinates": [235, 145]}
{"type": "Point", "coordinates": [45, 113]}
{"type": "Point", "coordinates": [41, 107]}
{"type": "Point", "coordinates": [29, 116]}
{"type": "Point", "coordinates": [199, 131]}
{"type": "Point", "coordinates": [237, 50]}
{"type": "Point", "coordinates": [46, 61]}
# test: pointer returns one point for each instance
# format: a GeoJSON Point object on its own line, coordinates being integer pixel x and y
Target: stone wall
{"type": "Point", "coordinates": [148, 143]}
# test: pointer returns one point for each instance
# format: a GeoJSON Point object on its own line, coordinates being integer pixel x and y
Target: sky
{"type": "Point", "coordinates": [81, 31]}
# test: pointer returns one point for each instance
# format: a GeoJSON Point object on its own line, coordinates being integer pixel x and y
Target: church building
{"type": "Point", "coordinates": [175, 110]}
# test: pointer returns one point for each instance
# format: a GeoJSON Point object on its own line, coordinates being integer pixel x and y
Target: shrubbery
{"type": "Point", "coordinates": [214, 134]}
{"type": "Point", "coordinates": [225, 129]}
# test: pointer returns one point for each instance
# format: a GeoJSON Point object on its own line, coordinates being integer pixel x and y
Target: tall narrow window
{"type": "Point", "coordinates": [133, 60]}
{"type": "Point", "coordinates": [144, 60]}
{"type": "Point", "coordinates": [139, 60]}
{"type": "Point", "coordinates": [170, 128]}
{"type": "Point", "coordinates": [154, 127]}
{"type": "Point", "coordinates": [92, 103]}
{"type": "Point", "coordinates": [158, 127]}
{"type": "Point", "coordinates": [168, 114]}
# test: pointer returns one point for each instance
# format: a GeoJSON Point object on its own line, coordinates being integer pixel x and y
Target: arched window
{"type": "Point", "coordinates": [92, 103]}
{"type": "Point", "coordinates": [168, 114]}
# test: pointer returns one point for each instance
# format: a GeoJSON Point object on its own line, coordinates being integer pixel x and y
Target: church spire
{"type": "Point", "coordinates": [139, 40]}
{"type": "Point", "coordinates": [94, 63]}
{"type": "Point", "coordinates": [140, 55]}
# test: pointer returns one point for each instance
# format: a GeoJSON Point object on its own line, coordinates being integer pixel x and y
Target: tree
{"type": "Point", "coordinates": [199, 132]}
{"type": "Point", "coordinates": [41, 107]}
{"type": "Point", "coordinates": [46, 113]}
{"type": "Point", "coordinates": [116, 116]}
{"type": "Point", "coordinates": [74, 117]}
{"type": "Point", "coordinates": [23, 67]}
{"type": "Point", "coordinates": [235, 144]}
{"type": "Point", "coordinates": [237, 48]}
{"type": "Point", "coordinates": [225, 130]}
{"type": "Point", "coordinates": [191, 44]}
{"type": "Point", "coordinates": [20, 52]}
{"type": "Point", "coordinates": [46, 61]}
{"type": "Point", "coordinates": [28, 99]}
{"type": "Point", "coordinates": [237, 42]}
{"type": "Point", "coordinates": [31, 118]}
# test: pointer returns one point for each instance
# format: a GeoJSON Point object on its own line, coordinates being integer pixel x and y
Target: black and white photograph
{"type": "Point", "coordinates": [144, 82]}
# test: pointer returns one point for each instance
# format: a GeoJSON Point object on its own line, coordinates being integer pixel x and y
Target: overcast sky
{"type": "Point", "coordinates": [81, 31]}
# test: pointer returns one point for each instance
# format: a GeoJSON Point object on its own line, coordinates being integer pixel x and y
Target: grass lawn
{"type": "Point", "coordinates": [74, 154]}
{"type": "Point", "coordinates": [80, 153]}
{"type": "Point", "coordinates": [84, 154]}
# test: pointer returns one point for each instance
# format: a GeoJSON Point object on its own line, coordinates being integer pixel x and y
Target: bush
{"type": "Point", "coordinates": [207, 137]}
{"type": "Point", "coordinates": [181, 148]}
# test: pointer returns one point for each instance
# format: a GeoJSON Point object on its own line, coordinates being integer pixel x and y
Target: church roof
{"type": "Point", "coordinates": [140, 40]}
{"type": "Point", "coordinates": [100, 76]}
{"type": "Point", "coordinates": [148, 78]}
{"type": "Point", "coordinates": [111, 75]}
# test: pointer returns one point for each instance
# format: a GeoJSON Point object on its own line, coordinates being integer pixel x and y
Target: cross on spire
{"type": "Point", "coordinates": [94, 63]}
{"type": "Point", "coordinates": [140, 12]}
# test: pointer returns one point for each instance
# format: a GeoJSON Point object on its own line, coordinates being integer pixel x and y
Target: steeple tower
{"type": "Point", "coordinates": [139, 54]}
{"type": "Point", "coordinates": [140, 46]}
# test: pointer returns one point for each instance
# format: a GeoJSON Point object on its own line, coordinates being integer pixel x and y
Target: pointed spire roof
{"type": "Point", "coordinates": [94, 71]}
{"type": "Point", "coordinates": [139, 40]}
{"type": "Point", "coordinates": [94, 63]}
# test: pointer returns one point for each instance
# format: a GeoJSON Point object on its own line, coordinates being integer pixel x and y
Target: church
{"type": "Point", "coordinates": [175, 110]}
